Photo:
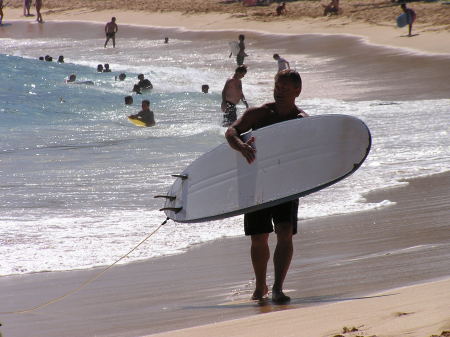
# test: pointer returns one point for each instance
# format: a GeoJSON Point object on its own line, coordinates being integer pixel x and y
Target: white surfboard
{"type": "Point", "coordinates": [234, 47]}
{"type": "Point", "coordinates": [293, 159]}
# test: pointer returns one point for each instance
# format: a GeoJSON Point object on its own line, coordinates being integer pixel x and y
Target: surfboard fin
{"type": "Point", "coordinates": [182, 176]}
{"type": "Point", "coordinates": [173, 209]}
{"type": "Point", "coordinates": [170, 197]}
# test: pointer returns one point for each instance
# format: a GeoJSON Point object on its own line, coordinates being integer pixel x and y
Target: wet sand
{"type": "Point", "coordinates": [336, 258]}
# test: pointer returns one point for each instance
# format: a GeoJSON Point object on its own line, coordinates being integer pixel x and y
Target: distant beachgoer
{"type": "Point", "coordinates": [41, 58]}
{"type": "Point", "coordinates": [410, 17]}
{"type": "Point", "coordinates": [331, 8]}
{"type": "Point", "coordinates": [1, 11]}
{"type": "Point", "coordinates": [26, 7]}
{"type": "Point", "coordinates": [144, 83]}
{"type": "Point", "coordinates": [145, 115]}
{"type": "Point", "coordinates": [48, 58]}
{"type": "Point", "coordinates": [137, 89]}
{"type": "Point", "coordinates": [61, 59]}
{"type": "Point", "coordinates": [281, 9]}
{"type": "Point", "coordinates": [241, 54]}
{"type": "Point", "coordinates": [166, 40]}
{"type": "Point", "coordinates": [72, 78]}
{"type": "Point", "coordinates": [111, 30]}
{"type": "Point", "coordinates": [282, 63]}
{"type": "Point", "coordinates": [205, 88]}
{"type": "Point", "coordinates": [128, 100]}
{"type": "Point", "coordinates": [100, 68]}
{"type": "Point", "coordinates": [106, 68]}
{"type": "Point", "coordinates": [121, 77]}
{"type": "Point", "coordinates": [38, 5]}
{"type": "Point", "coordinates": [231, 95]}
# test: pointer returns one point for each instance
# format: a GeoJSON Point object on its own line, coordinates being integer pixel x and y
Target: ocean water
{"type": "Point", "coordinates": [77, 180]}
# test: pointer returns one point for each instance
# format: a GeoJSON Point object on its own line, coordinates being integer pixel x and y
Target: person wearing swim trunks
{"type": "Point", "coordinates": [231, 95]}
{"type": "Point", "coordinates": [111, 30]}
{"type": "Point", "coordinates": [283, 217]}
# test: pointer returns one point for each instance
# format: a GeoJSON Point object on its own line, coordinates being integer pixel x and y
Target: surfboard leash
{"type": "Point", "coordinates": [88, 281]}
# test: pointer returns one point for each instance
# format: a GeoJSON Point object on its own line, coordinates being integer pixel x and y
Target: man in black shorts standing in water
{"type": "Point", "coordinates": [288, 85]}
{"type": "Point", "coordinates": [111, 30]}
{"type": "Point", "coordinates": [231, 95]}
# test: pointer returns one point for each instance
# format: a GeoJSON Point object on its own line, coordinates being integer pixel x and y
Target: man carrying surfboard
{"type": "Point", "coordinates": [231, 95]}
{"type": "Point", "coordinates": [258, 225]}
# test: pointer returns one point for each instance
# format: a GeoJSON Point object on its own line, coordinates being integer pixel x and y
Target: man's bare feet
{"type": "Point", "coordinates": [279, 297]}
{"type": "Point", "coordinates": [259, 295]}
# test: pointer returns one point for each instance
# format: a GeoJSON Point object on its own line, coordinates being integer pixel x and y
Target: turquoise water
{"type": "Point", "coordinates": [78, 180]}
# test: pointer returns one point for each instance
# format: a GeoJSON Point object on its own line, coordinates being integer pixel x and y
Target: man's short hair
{"type": "Point", "coordinates": [241, 36]}
{"type": "Point", "coordinates": [242, 69]}
{"type": "Point", "coordinates": [275, 56]}
{"type": "Point", "coordinates": [146, 101]}
{"type": "Point", "coordinates": [291, 75]}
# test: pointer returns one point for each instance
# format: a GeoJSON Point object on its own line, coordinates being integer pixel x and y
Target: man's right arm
{"type": "Point", "coordinates": [240, 126]}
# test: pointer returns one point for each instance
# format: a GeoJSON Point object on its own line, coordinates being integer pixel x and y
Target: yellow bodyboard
{"type": "Point", "coordinates": [137, 122]}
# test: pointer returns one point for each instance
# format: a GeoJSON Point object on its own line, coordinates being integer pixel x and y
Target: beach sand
{"type": "Point", "coordinates": [360, 255]}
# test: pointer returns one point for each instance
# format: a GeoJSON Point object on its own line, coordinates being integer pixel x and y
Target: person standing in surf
{"type": "Point", "coordinates": [282, 63]}
{"type": "Point", "coordinates": [110, 31]}
{"type": "Point", "coordinates": [281, 218]}
{"type": "Point", "coordinates": [231, 95]}
{"type": "Point", "coordinates": [241, 53]}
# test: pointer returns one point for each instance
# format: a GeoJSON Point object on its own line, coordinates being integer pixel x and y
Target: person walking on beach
{"type": "Point", "coordinates": [110, 31]}
{"type": "Point", "coordinates": [282, 63]}
{"type": "Point", "coordinates": [38, 5]}
{"type": "Point", "coordinates": [410, 17]}
{"type": "Point", "coordinates": [1, 11]}
{"type": "Point", "coordinates": [231, 95]}
{"type": "Point", "coordinates": [241, 53]}
{"type": "Point", "coordinates": [145, 115]}
{"type": "Point", "coordinates": [26, 7]}
{"type": "Point", "coordinates": [258, 224]}
{"type": "Point", "coordinates": [281, 9]}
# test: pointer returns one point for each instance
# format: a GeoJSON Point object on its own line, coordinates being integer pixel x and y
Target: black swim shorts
{"type": "Point", "coordinates": [230, 114]}
{"type": "Point", "coordinates": [110, 35]}
{"type": "Point", "coordinates": [240, 60]}
{"type": "Point", "coordinates": [260, 222]}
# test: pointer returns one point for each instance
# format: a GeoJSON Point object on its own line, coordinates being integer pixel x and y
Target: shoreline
{"type": "Point", "coordinates": [406, 244]}
{"type": "Point", "coordinates": [384, 34]}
